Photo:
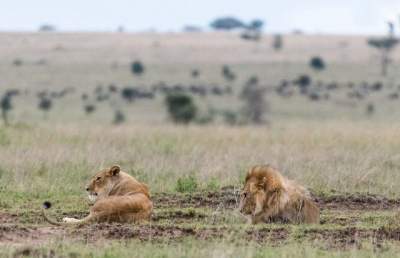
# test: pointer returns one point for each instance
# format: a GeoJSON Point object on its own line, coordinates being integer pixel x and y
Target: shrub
{"type": "Point", "coordinates": [195, 73]}
{"type": "Point", "coordinates": [137, 68]}
{"type": "Point", "coordinates": [186, 184]}
{"type": "Point", "coordinates": [18, 62]}
{"type": "Point", "coordinates": [45, 105]}
{"type": "Point", "coordinates": [230, 117]}
{"type": "Point", "coordinates": [128, 93]}
{"type": "Point", "coordinates": [277, 43]}
{"type": "Point", "coordinates": [5, 107]}
{"type": "Point", "coordinates": [89, 108]}
{"type": "Point", "coordinates": [254, 101]}
{"type": "Point", "coordinates": [119, 117]}
{"type": "Point", "coordinates": [228, 74]}
{"type": "Point", "coordinates": [317, 63]}
{"type": "Point", "coordinates": [181, 108]}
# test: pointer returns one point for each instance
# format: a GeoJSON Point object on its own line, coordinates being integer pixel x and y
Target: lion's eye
{"type": "Point", "coordinates": [244, 195]}
{"type": "Point", "coordinates": [98, 178]}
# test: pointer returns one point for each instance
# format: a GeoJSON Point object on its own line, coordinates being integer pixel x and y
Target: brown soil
{"type": "Point", "coordinates": [228, 198]}
{"type": "Point", "coordinates": [172, 224]}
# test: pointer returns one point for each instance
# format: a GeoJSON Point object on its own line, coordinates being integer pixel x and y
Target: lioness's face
{"type": "Point", "coordinates": [102, 183]}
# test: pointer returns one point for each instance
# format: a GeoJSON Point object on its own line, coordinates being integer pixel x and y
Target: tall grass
{"type": "Point", "coordinates": [338, 156]}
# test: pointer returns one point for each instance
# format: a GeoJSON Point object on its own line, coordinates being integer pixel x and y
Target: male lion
{"type": "Point", "coordinates": [116, 197]}
{"type": "Point", "coordinates": [268, 196]}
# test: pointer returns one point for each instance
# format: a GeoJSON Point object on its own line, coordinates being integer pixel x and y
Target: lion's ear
{"type": "Point", "coordinates": [114, 170]}
{"type": "Point", "coordinates": [262, 183]}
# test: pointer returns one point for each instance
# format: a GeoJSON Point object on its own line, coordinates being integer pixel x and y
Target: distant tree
{"type": "Point", "coordinates": [227, 23]}
{"type": "Point", "coordinates": [303, 81]}
{"type": "Point", "coordinates": [47, 28]}
{"type": "Point", "coordinates": [45, 104]}
{"type": "Point", "coordinates": [227, 73]}
{"type": "Point", "coordinates": [192, 28]}
{"type": "Point", "coordinates": [253, 30]}
{"type": "Point", "coordinates": [277, 42]}
{"type": "Point", "coordinates": [6, 106]}
{"type": "Point", "coordinates": [255, 105]}
{"type": "Point", "coordinates": [137, 68]}
{"type": "Point", "coordinates": [129, 94]}
{"type": "Point", "coordinates": [385, 45]}
{"type": "Point", "coordinates": [256, 24]}
{"type": "Point", "coordinates": [317, 63]}
{"type": "Point", "coordinates": [181, 108]}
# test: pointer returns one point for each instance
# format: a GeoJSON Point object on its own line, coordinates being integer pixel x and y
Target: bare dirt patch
{"type": "Point", "coordinates": [228, 198]}
{"type": "Point", "coordinates": [178, 216]}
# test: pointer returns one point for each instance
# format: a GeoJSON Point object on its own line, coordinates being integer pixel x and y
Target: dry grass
{"type": "Point", "coordinates": [341, 156]}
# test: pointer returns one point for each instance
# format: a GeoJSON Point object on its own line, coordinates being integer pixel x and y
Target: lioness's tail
{"type": "Point", "coordinates": [47, 205]}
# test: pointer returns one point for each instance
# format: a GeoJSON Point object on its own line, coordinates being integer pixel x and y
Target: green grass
{"type": "Point", "coordinates": [191, 248]}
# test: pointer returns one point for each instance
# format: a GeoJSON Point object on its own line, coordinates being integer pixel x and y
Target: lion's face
{"type": "Point", "coordinates": [102, 183]}
{"type": "Point", "coordinates": [250, 198]}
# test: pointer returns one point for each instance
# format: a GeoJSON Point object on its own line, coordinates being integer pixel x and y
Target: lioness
{"type": "Point", "coordinates": [116, 197]}
{"type": "Point", "coordinates": [268, 196]}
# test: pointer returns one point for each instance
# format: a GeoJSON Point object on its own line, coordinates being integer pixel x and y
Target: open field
{"type": "Point", "coordinates": [82, 62]}
{"type": "Point", "coordinates": [346, 154]}
{"type": "Point", "coordinates": [351, 170]}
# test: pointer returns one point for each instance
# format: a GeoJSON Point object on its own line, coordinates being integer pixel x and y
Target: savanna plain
{"type": "Point", "coordinates": [339, 136]}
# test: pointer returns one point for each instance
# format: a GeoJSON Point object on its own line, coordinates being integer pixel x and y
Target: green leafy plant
{"type": "Point", "coordinates": [186, 184]}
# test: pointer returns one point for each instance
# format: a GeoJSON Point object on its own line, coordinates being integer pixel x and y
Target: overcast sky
{"type": "Point", "coordinates": [311, 16]}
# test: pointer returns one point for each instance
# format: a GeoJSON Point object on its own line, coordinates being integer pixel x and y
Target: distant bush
{"type": "Point", "coordinates": [45, 104]}
{"type": "Point", "coordinates": [89, 108]}
{"type": "Point", "coordinates": [195, 73]}
{"type": "Point", "coordinates": [6, 106]}
{"type": "Point", "coordinates": [18, 62]}
{"type": "Point", "coordinates": [119, 117]}
{"type": "Point", "coordinates": [254, 101]}
{"type": "Point", "coordinates": [128, 93]}
{"type": "Point", "coordinates": [47, 28]}
{"type": "Point", "coordinates": [230, 117]}
{"type": "Point", "coordinates": [227, 23]}
{"type": "Point", "coordinates": [277, 43]}
{"type": "Point", "coordinates": [317, 63]}
{"type": "Point", "coordinates": [303, 81]}
{"type": "Point", "coordinates": [256, 25]}
{"type": "Point", "coordinates": [137, 68]}
{"type": "Point", "coordinates": [251, 35]}
{"type": "Point", "coordinates": [228, 74]}
{"type": "Point", "coordinates": [181, 107]}
{"type": "Point", "coordinates": [186, 184]}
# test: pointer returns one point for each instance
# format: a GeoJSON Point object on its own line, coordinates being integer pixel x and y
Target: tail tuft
{"type": "Point", "coordinates": [47, 205]}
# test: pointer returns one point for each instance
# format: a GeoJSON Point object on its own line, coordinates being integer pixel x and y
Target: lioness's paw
{"type": "Point", "coordinates": [70, 220]}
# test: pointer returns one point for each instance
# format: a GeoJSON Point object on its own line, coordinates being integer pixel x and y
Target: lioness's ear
{"type": "Point", "coordinates": [114, 170]}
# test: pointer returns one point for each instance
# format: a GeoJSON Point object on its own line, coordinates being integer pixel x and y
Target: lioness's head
{"type": "Point", "coordinates": [102, 183]}
{"type": "Point", "coordinates": [260, 183]}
